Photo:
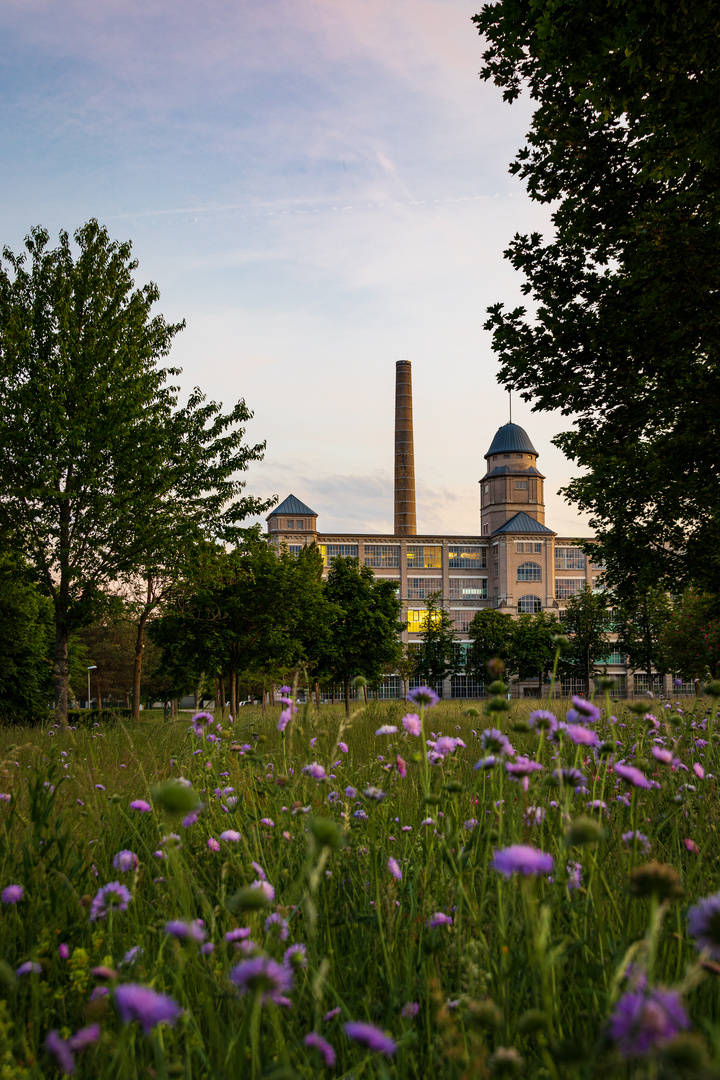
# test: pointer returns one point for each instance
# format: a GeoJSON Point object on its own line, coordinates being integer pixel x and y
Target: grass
{"type": "Point", "coordinates": [523, 980]}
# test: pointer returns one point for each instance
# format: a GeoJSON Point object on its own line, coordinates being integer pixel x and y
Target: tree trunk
{"type": "Point", "coordinates": [233, 692]}
{"type": "Point", "coordinates": [60, 672]}
{"type": "Point", "coordinates": [263, 700]}
{"type": "Point", "coordinates": [126, 698]}
{"type": "Point", "coordinates": [347, 696]}
{"type": "Point", "coordinates": [317, 695]}
{"type": "Point", "coordinates": [222, 694]}
{"type": "Point", "coordinates": [137, 668]}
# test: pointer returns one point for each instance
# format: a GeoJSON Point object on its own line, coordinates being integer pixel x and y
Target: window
{"type": "Point", "coordinates": [569, 558]}
{"type": "Point", "coordinates": [464, 686]}
{"type": "Point", "coordinates": [642, 684]}
{"type": "Point", "coordinates": [474, 558]}
{"type": "Point", "coordinates": [614, 657]}
{"type": "Point", "coordinates": [419, 588]}
{"type": "Point", "coordinates": [566, 587]}
{"type": "Point", "coordinates": [462, 619]}
{"type": "Point", "coordinates": [299, 524]}
{"type": "Point", "coordinates": [595, 565]}
{"type": "Point", "coordinates": [334, 551]}
{"type": "Point", "coordinates": [527, 548]}
{"type": "Point", "coordinates": [486, 488]}
{"type": "Point", "coordinates": [464, 588]}
{"type": "Point", "coordinates": [495, 550]}
{"type": "Point", "coordinates": [290, 523]}
{"type": "Point", "coordinates": [486, 530]}
{"type": "Point", "coordinates": [295, 549]}
{"type": "Point", "coordinates": [529, 571]}
{"type": "Point", "coordinates": [521, 485]}
{"type": "Point", "coordinates": [382, 555]}
{"type": "Point", "coordinates": [506, 455]}
{"type": "Point", "coordinates": [495, 569]}
{"type": "Point", "coordinates": [417, 620]}
{"type": "Point", "coordinates": [529, 605]}
{"type": "Point", "coordinates": [426, 558]}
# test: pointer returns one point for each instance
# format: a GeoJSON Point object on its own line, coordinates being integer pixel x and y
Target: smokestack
{"type": "Point", "coordinates": [405, 521]}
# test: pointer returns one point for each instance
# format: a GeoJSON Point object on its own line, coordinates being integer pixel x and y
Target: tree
{"type": "Point", "coordinates": [640, 622]}
{"type": "Point", "coordinates": [435, 655]}
{"type": "Point", "coordinates": [625, 327]}
{"type": "Point", "coordinates": [25, 644]}
{"type": "Point", "coordinates": [585, 621]}
{"type": "Point", "coordinates": [99, 468]}
{"type": "Point", "coordinates": [252, 610]}
{"type": "Point", "coordinates": [492, 634]}
{"type": "Point", "coordinates": [533, 645]}
{"type": "Point", "coordinates": [364, 637]}
{"type": "Point", "coordinates": [691, 637]}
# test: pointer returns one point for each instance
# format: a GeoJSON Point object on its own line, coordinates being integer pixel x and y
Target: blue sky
{"type": "Point", "coordinates": [319, 188]}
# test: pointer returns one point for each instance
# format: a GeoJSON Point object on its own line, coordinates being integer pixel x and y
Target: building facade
{"type": "Point", "coordinates": [516, 563]}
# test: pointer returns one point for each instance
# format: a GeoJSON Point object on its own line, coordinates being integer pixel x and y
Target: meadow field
{"type": "Point", "coordinates": [533, 892]}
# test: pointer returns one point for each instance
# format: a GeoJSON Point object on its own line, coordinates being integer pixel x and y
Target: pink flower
{"type": "Point", "coordinates": [439, 919]}
{"type": "Point", "coordinates": [401, 767]}
{"type": "Point", "coordinates": [662, 755]}
{"type": "Point", "coordinates": [230, 835]}
{"type": "Point", "coordinates": [213, 844]}
{"type": "Point", "coordinates": [141, 805]}
{"type": "Point", "coordinates": [698, 770]}
{"type": "Point", "coordinates": [343, 746]}
{"type": "Point", "coordinates": [691, 846]}
{"type": "Point", "coordinates": [411, 723]}
{"type": "Point", "coordinates": [394, 868]}
{"type": "Point", "coordinates": [315, 770]}
{"type": "Point", "coordinates": [323, 1046]}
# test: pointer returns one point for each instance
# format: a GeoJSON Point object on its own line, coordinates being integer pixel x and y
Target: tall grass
{"type": "Point", "coordinates": [523, 974]}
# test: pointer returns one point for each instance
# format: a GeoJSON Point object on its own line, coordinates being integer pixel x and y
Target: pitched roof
{"type": "Point", "coordinates": [523, 523]}
{"type": "Point", "coordinates": [504, 470]}
{"type": "Point", "coordinates": [511, 438]}
{"type": "Point", "coordinates": [291, 505]}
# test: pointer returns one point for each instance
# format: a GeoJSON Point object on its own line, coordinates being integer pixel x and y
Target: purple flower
{"type": "Point", "coordinates": [112, 895]}
{"type": "Point", "coordinates": [295, 956]}
{"type": "Point", "coordinates": [135, 1002]}
{"type": "Point", "coordinates": [230, 835]}
{"type": "Point", "coordinates": [367, 1034]}
{"type": "Point", "coordinates": [265, 888]}
{"type": "Point", "coordinates": [631, 775]}
{"type": "Point", "coordinates": [704, 924]}
{"type": "Point", "coordinates": [446, 745]}
{"type": "Point", "coordinates": [11, 894]}
{"type": "Point", "coordinates": [318, 1043]}
{"type": "Point", "coordinates": [494, 741]}
{"type": "Point", "coordinates": [439, 919]}
{"type": "Point", "coordinates": [581, 736]}
{"type": "Point", "coordinates": [571, 777]}
{"type": "Point", "coordinates": [85, 1037]}
{"type": "Point", "coordinates": [343, 746]}
{"type": "Point", "coordinates": [213, 844]}
{"type": "Point", "coordinates": [185, 931]}
{"type": "Point", "coordinates": [262, 975]}
{"type": "Point", "coordinates": [285, 718]}
{"type": "Point", "coordinates": [63, 951]}
{"type": "Point", "coordinates": [238, 934]}
{"type": "Point", "coordinates": [386, 729]}
{"type": "Point", "coordinates": [200, 721]}
{"type": "Point", "coordinates": [639, 838]}
{"type": "Point", "coordinates": [486, 762]}
{"type": "Point", "coordinates": [277, 926]}
{"type": "Point", "coordinates": [645, 1019]}
{"type": "Point", "coordinates": [522, 859]}
{"type": "Point", "coordinates": [259, 871]}
{"type": "Point", "coordinates": [141, 805]}
{"type": "Point", "coordinates": [267, 822]}
{"type": "Point", "coordinates": [131, 956]}
{"type": "Point", "coordinates": [543, 720]}
{"type": "Point", "coordinates": [332, 1014]}
{"type": "Point", "coordinates": [661, 755]}
{"type": "Point", "coordinates": [61, 1052]}
{"type": "Point", "coordinates": [522, 767]}
{"type": "Point", "coordinates": [394, 868]}
{"type": "Point", "coordinates": [698, 770]}
{"type": "Point", "coordinates": [29, 968]}
{"type": "Point", "coordinates": [423, 695]}
{"type": "Point", "coordinates": [315, 770]}
{"type": "Point", "coordinates": [351, 792]}
{"type": "Point", "coordinates": [401, 767]}
{"type": "Point", "coordinates": [583, 713]}
{"type": "Point", "coordinates": [125, 861]}
{"type": "Point", "coordinates": [410, 1010]}
{"type": "Point", "coordinates": [412, 724]}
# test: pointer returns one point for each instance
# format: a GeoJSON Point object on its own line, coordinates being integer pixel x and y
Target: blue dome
{"type": "Point", "coordinates": [511, 439]}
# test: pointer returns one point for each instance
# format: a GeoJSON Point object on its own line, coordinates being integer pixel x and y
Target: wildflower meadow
{"type": "Point", "coordinates": [422, 889]}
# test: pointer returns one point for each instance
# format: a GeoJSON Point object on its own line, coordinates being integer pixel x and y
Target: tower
{"type": "Point", "coordinates": [405, 520]}
{"type": "Point", "coordinates": [512, 483]}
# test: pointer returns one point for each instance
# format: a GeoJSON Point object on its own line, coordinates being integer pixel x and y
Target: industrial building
{"type": "Point", "coordinates": [515, 564]}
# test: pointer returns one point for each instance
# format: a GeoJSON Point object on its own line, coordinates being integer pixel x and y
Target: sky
{"type": "Point", "coordinates": [319, 188]}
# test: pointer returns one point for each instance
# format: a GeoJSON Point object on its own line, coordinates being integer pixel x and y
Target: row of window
{"type": "Point", "coordinates": [419, 556]}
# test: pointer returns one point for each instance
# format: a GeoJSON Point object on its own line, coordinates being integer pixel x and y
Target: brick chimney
{"type": "Point", "coordinates": [405, 520]}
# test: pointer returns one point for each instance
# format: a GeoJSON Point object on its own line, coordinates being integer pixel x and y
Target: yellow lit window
{"type": "Point", "coordinates": [417, 620]}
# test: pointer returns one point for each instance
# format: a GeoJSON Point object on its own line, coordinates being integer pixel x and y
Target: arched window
{"type": "Point", "coordinates": [529, 605]}
{"type": "Point", "coordinates": [529, 571]}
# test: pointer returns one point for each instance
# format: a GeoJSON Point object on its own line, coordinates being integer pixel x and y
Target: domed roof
{"type": "Point", "coordinates": [511, 439]}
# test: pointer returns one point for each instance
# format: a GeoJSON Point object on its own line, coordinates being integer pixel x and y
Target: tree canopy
{"type": "Point", "coordinates": [101, 473]}
{"type": "Point", "coordinates": [624, 331]}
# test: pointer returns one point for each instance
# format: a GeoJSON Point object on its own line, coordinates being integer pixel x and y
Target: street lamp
{"type": "Point", "coordinates": [93, 667]}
